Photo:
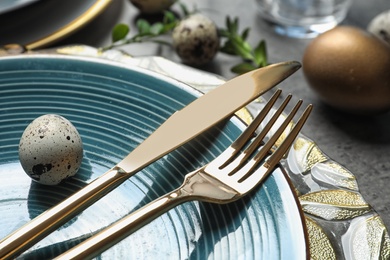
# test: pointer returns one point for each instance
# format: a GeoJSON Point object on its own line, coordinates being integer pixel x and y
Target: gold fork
{"type": "Point", "coordinates": [227, 178]}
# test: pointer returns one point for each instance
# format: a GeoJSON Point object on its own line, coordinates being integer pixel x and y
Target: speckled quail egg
{"type": "Point", "coordinates": [196, 40]}
{"type": "Point", "coordinates": [50, 149]}
{"type": "Point", "coordinates": [380, 26]}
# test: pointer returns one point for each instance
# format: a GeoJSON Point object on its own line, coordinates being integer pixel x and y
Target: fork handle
{"type": "Point", "coordinates": [116, 232]}
{"type": "Point", "coordinates": [50, 220]}
{"type": "Point", "coordinates": [196, 185]}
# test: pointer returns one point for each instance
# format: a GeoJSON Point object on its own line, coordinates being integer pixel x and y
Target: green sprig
{"type": "Point", "coordinates": [147, 32]}
{"type": "Point", "coordinates": [236, 44]}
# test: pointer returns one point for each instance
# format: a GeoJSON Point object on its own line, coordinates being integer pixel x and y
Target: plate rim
{"type": "Point", "coordinates": [240, 122]}
{"type": "Point", "coordinates": [94, 10]}
{"type": "Point", "coordinates": [78, 17]}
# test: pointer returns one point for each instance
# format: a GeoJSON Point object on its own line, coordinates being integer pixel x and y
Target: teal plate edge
{"type": "Point", "coordinates": [66, 70]}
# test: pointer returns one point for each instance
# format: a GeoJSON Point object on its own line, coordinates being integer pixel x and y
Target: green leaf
{"type": "Point", "coordinates": [231, 25]}
{"type": "Point", "coordinates": [242, 49]}
{"type": "Point", "coordinates": [223, 33]}
{"type": "Point", "coordinates": [245, 45]}
{"type": "Point", "coordinates": [119, 32]}
{"type": "Point", "coordinates": [245, 34]}
{"type": "Point", "coordinates": [228, 22]}
{"type": "Point", "coordinates": [260, 54]}
{"type": "Point", "coordinates": [233, 28]}
{"type": "Point", "coordinates": [242, 68]}
{"type": "Point", "coordinates": [228, 49]}
{"type": "Point", "coordinates": [169, 27]}
{"type": "Point", "coordinates": [156, 28]}
{"type": "Point", "coordinates": [143, 26]}
{"type": "Point", "coordinates": [169, 17]}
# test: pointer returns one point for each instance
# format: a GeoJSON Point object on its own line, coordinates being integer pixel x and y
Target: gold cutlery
{"type": "Point", "coordinates": [181, 127]}
{"type": "Point", "coordinates": [225, 179]}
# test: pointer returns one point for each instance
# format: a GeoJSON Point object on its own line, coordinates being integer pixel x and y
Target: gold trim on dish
{"type": "Point", "coordinates": [320, 245]}
{"type": "Point", "coordinates": [339, 223]}
{"type": "Point", "coordinates": [334, 204]}
{"type": "Point", "coordinates": [98, 7]}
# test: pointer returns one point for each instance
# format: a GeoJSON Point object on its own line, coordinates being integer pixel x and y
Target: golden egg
{"type": "Point", "coordinates": [349, 69]}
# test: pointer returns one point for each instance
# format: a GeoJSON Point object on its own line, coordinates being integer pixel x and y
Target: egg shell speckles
{"type": "Point", "coordinates": [50, 149]}
{"type": "Point", "coordinates": [196, 40]}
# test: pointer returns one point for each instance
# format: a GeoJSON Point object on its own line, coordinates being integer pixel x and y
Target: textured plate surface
{"type": "Point", "coordinates": [115, 107]}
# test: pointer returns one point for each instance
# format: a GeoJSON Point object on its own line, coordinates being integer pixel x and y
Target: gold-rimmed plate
{"type": "Point", "coordinates": [45, 22]}
{"type": "Point", "coordinates": [327, 192]}
{"type": "Point", "coordinates": [115, 107]}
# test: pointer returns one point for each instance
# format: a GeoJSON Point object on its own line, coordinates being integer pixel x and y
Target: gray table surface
{"type": "Point", "coordinates": [361, 144]}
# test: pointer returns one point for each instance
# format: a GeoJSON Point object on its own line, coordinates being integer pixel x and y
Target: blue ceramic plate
{"type": "Point", "coordinates": [115, 107]}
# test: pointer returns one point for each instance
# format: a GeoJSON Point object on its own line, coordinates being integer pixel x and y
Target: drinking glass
{"type": "Point", "coordinates": [303, 18]}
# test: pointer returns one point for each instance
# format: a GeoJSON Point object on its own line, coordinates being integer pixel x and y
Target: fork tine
{"type": "Point", "coordinates": [243, 138]}
{"type": "Point", "coordinates": [259, 138]}
{"type": "Point", "coordinates": [265, 149]}
{"type": "Point", "coordinates": [207, 183]}
{"type": "Point", "coordinates": [268, 145]}
{"type": "Point", "coordinates": [259, 175]}
{"type": "Point", "coordinates": [288, 141]}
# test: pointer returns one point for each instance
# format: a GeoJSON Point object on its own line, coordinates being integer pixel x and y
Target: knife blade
{"type": "Point", "coordinates": [178, 129]}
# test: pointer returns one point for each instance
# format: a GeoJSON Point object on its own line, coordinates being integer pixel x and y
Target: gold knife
{"type": "Point", "coordinates": [178, 129]}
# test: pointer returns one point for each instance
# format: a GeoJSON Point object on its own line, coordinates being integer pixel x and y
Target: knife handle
{"type": "Point", "coordinates": [41, 226]}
